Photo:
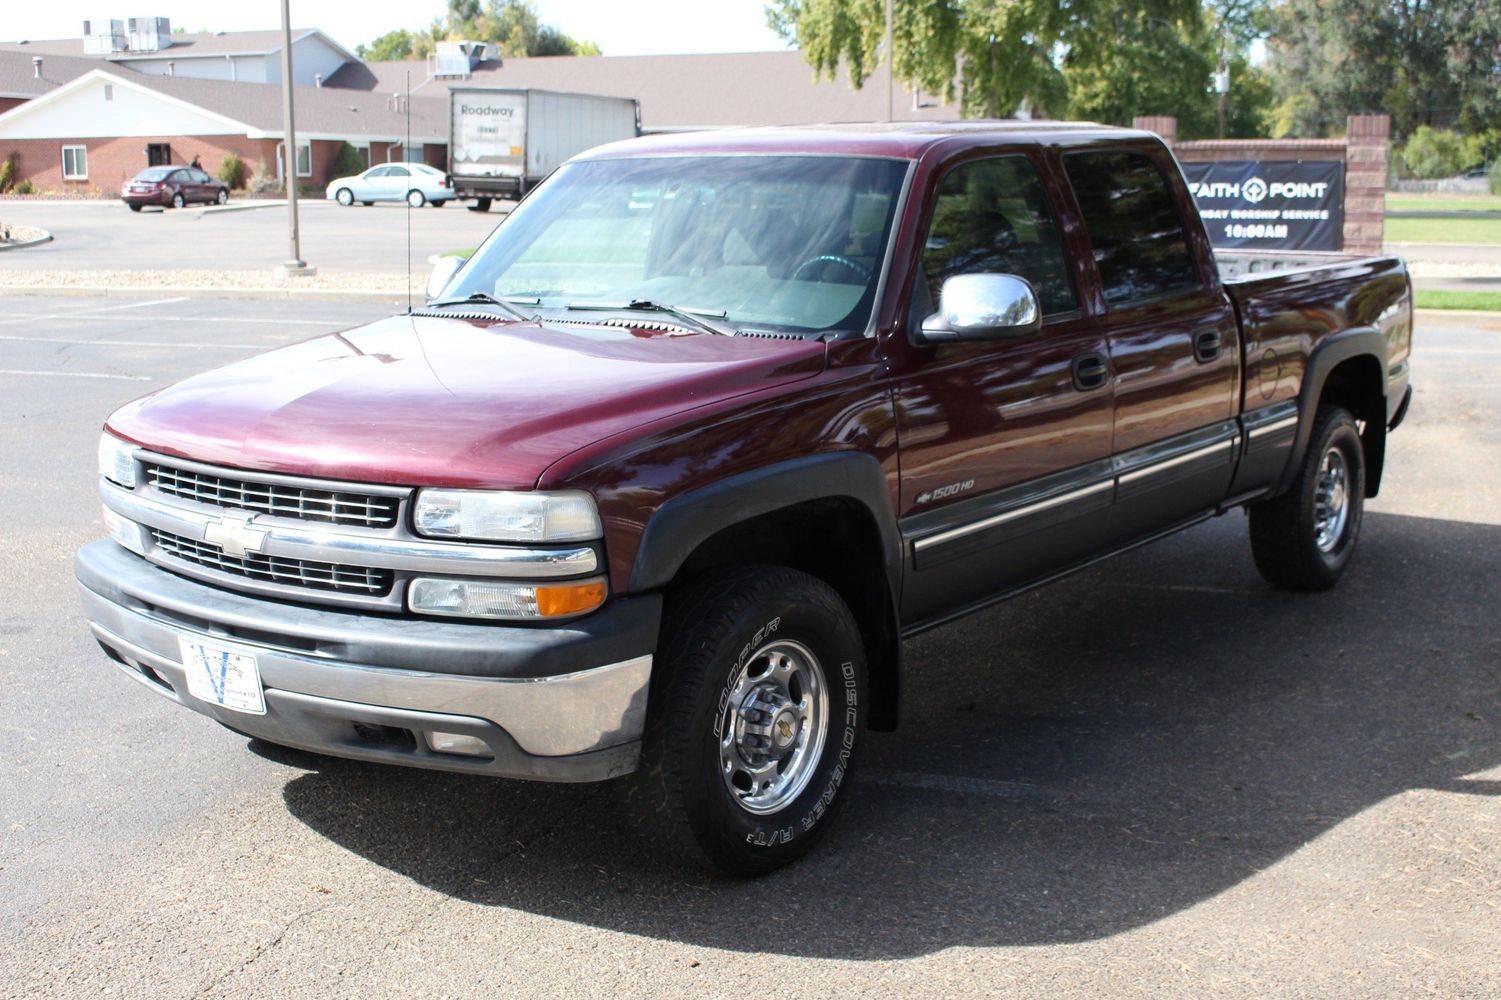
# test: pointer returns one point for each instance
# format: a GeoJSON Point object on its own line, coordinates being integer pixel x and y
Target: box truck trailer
{"type": "Point", "coordinates": [501, 141]}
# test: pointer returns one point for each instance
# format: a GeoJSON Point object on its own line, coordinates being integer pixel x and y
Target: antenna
{"type": "Point", "coordinates": [406, 155]}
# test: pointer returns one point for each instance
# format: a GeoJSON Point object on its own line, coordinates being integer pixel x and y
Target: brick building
{"type": "Point", "coordinates": [86, 136]}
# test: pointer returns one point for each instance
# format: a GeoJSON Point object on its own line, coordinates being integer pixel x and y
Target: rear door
{"type": "Point", "coordinates": [396, 183]}
{"type": "Point", "coordinates": [1005, 444]}
{"type": "Point", "coordinates": [1173, 338]}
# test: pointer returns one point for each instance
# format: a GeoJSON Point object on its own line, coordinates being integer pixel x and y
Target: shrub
{"type": "Point", "coordinates": [264, 180]}
{"type": "Point", "coordinates": [232, 171]}
{"type": "Point", "coordinates": [8, 168]}
{"type": "Point", "coordinates": [1494, 177]}
{"type": "Point", "coordinates": [26, 187]}
{"type": "Point", "coordinates": [348, 162]}
{"type": "Point", "coordinates": [1432, 153]}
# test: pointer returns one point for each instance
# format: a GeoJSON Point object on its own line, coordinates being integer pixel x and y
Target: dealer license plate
{"type": "Point", "coordinates": [221, 676]}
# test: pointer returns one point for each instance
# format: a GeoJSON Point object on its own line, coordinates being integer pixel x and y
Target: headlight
{"type": "Point", "coordinates": [117, 461]}
{"type": "Point", "coordinates": [506, 517]}
{"type": "Point", "coordinates": [461, 598]}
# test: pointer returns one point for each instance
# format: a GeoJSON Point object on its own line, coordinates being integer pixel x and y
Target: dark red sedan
{"type": "Point", "coordinates": [172, 185]}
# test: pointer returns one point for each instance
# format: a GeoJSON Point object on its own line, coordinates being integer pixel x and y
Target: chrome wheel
{"type": "Point", "coordinates": [1331, 501]}
{"type": "Point", "coordinates": [773, 726]}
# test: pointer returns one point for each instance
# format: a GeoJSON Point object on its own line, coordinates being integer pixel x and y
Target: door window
{"type": "Point", "coordinates": [1139, 244]}
{"type": "Point", "coordinates": [994, 216]}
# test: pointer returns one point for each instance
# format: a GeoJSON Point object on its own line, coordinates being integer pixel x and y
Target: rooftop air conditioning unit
{"type": "Point", "coordinates": [455, 58]}
{"type": "Point", "coordinates": [150, 34]}
{"type": "Point", "coordinates": [103, 36]}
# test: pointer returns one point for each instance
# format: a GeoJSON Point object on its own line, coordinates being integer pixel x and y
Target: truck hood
{"type": "Point", "coordinates": [450, 402]}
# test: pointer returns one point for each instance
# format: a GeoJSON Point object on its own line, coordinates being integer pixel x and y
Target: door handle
{"type": "Point", "coordinates": [1090, 370]}
{"type": "Point", "coordinates": [1207, 345]}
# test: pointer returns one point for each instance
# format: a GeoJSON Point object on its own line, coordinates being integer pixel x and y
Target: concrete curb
{"type": "Point", "coordinates": [169, 291]}
{"type": "Point", "coordinates": [1430, 311]}
{"type": "Point", "coordinates": [46, 237]}
{"type": "Point", "coordinates": [242, 206]}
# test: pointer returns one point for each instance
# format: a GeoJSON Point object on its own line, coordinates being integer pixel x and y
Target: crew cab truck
{"type": "Point", "coordinates": [655, 485]}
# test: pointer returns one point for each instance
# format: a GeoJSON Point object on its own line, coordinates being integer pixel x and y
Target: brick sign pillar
{"type": "Point", "coordinates": [1366, 143]}
{"type": "Point", "coordinates": [1364, 150]}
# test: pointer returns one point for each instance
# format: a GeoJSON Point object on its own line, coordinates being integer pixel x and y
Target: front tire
{"type": "Point", "coordinates": [755, 716]}
{"type": "Point", "coordinates": [344, 197]}
{"type": "Point", "coordinates": [222, 197]}
{"type": "Point", "coordinates": [1303, 539]}
{"type": "Point", "coordinates": [416, 199]}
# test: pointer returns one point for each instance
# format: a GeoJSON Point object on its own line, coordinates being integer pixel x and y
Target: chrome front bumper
{"type": "Point", "coordinates": [564, 703]}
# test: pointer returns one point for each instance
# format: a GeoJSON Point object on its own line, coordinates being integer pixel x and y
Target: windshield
{"type": "Point", "coordinates": [789, 242]}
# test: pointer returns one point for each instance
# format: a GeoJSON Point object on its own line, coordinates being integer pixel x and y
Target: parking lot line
{"type": "Point", "coordinates": [89, 314]}
{"type": "Point", "coordinates": [124, 378]}
{"type": "Point", "coordinates": [135, 343]}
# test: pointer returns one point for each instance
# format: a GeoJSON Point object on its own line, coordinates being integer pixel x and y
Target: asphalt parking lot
{"type": "Point", "coordinates": [1157, 778]}
{"type": "Point", "coordinates": [100, 235]}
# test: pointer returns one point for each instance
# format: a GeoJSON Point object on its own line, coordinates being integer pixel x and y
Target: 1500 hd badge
{"type": "Point", "coordinates": [943, 492]}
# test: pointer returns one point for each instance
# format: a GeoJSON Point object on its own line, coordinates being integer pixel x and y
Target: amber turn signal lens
{"type": "Point", "coordinates": [569, 599]}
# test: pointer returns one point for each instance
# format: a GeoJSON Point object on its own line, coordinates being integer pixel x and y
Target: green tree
{"type": "Point", "coordinates": [392, 45]}
{"type": "Point", "coordinates": [1108, 60]}
{"type": "Point", "coordinates": [1425, 62]}
{"type": "Point", "coordinates": [511, 25]}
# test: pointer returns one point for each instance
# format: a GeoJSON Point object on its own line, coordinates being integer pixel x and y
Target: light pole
{"type": "Point", "coordinates": [295, 265]}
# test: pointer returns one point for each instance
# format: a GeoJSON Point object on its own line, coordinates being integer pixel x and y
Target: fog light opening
{"type": "Point", "coordinates": [458, 743]}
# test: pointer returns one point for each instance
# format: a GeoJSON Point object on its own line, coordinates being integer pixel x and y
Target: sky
{"type": "Point", "coordinates": [620, 28]}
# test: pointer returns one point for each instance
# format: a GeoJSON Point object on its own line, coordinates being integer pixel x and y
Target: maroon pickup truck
{"type": "Point", "coordinates": [655, 485]}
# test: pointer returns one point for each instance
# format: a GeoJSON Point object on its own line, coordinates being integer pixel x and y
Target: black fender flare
{"type": "Point", "coordinates": [686, 521]}
{"type": "Point", "coordinates": [1325, 357]}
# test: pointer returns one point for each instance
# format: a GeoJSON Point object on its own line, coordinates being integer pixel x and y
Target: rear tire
{"type": "Point", "coordinates": [1303, 539]}
{"type": "Point", "coordinates": [135, 208]}
{"type": "Point", "coordinates": [755, 716]}
{"type": "Point", "coordinates": [480, 205]}
{"type": "Point", "coordinates": [178, 201]}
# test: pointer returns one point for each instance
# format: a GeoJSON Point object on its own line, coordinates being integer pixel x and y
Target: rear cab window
{"type": "Point", "coordinates": [993, 216]}
{"type": "Point", "coordinates": [1140, 245]}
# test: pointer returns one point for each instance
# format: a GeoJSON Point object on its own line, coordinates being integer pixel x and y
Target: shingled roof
{"type": "Point", "coordinates": [675, 91]}
{"type": "Point", "coordinates": [321, 112]}
{"type": "Point", "coordinates": [186, 46]}
{"type": "Point", "coordinates": [18, 74]}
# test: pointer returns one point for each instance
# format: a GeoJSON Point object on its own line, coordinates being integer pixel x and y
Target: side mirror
{"type": "Point", "coordinates": [983, 307]}
{"type": "Point", "coordinates": [443, 273]}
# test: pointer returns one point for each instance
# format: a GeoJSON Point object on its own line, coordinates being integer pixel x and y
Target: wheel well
{"type": "Point", "coordinates": [1357, 385]}
{"type": "Point", "coordinates": [837, 541]}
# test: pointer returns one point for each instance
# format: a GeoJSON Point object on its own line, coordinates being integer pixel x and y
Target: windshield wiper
{"type": "Point", "coordinates": [695, 317]}
{"type": "Point", "coordinates": [482, 298]}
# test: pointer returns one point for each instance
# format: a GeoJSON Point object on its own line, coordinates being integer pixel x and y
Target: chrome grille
{"type": "Point", "coordinates": [294, 572]}
{"type": "Point", "coordinates": [306, 503]}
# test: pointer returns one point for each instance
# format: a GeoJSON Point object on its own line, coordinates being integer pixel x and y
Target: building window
{"type": "Point", "coordinates": [75, 163]}
{"type": "Point", "coordinates": [304, 159]}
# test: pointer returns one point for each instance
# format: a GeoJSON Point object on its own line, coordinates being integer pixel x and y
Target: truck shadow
{"type": "Point", "coordinates": [1075, 763]}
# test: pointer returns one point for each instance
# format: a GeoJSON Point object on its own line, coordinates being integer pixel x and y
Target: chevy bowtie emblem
{"type": "Point", "coordinates": [233, 533]}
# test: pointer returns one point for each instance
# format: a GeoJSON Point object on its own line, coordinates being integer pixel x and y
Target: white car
{"type": "Point", "coordinates": [415, 183]}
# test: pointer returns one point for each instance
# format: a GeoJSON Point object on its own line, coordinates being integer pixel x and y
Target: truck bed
{"type": "Point", "coordinates": [1291, 304]}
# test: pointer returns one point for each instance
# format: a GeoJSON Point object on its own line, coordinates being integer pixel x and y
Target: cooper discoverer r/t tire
{"type": "Point", "coordinates": [1303, 539]}
{"type": "Point", "coordinates": [755, 717]}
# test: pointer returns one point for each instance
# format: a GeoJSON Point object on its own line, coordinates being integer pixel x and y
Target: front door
{"type": "Point", "coordinates": [1174, 346]}
{"type": "Point", "coordinates": [1005, 444]}
{"type": "Point", "coordinates": [158, 154]}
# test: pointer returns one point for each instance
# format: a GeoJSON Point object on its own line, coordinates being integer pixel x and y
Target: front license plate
{"type": "Point", "coordinates": [225, 677]}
